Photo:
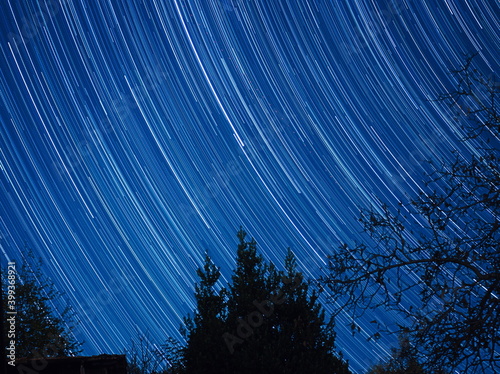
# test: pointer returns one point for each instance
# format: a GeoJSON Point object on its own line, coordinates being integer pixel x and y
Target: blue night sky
{"type": "Point", "coordinates": [137, 134]}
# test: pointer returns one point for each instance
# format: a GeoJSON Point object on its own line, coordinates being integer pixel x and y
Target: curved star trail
{"type": "Point", "coordinates": [136, 135]}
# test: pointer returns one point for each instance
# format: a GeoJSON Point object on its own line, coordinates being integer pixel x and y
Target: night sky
{"type": "Point", "coordinates": [135, 135]}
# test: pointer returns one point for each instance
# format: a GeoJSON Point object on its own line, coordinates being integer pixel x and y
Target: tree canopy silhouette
{"type": "Point", "coordinates": [265, 321]}
{"type": "Point", "coordinates": [438, 264]}
{"type": "Point", "coordinates": [40, 330]}
{"type": "Point", "coordinates": [403, 360]}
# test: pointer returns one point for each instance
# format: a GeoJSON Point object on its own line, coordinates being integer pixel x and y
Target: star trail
{"type": "Point", "coordinates": [135, 135]}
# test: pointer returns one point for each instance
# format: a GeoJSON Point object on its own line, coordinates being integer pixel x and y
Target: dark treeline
{"type": "Point", "coordinates": [265, 321]}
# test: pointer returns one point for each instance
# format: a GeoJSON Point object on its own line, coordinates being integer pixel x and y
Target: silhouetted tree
{"type": "Point", "coordinates": [403, 360]}
{"type": "Point", "coordinates": [173, 353]}
{"type": "Point", "coordinates": [304, 339]}
{"type": "Point", "coordinates": [142, 357]}
{"type": "Point", "coordinates": [205, 351]}
{"type": "Point", "coordinates": [40, 331]}
{"type": "Point", "coordinates": [438, 265]}
{"type": "Point", "coordinates": [266, 322]}
{"type": "Point", "coordinates": [247, 335]}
